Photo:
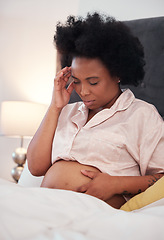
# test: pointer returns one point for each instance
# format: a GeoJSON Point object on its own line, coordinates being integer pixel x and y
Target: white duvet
{"type": "Point", "coordinates": [44, 214]}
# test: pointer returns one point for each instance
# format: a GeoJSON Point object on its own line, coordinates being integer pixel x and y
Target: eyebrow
{"type": "Point", "coordinates": [88, 78]}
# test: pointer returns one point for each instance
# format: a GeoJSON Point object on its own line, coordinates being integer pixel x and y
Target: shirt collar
{"type": "Point", "coordinates": [121, 104]}
{"type": "Point", "coordinates": [82, 108]}
{"type": "Point", "coordinates": [124, 100]}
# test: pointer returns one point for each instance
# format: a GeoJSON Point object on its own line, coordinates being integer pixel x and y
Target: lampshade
{"type": "Point", "coordinates": [19, 118]}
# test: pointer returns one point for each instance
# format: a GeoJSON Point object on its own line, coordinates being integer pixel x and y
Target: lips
{"type": "Point", "coordinates": [88, 103]}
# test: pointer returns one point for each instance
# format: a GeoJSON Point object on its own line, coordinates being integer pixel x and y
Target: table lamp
{"type": "Point", "coordinates": [20, 119]}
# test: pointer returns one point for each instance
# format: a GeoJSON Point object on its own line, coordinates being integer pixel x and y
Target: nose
{"type": "Point", "coordinates": [84, 91]}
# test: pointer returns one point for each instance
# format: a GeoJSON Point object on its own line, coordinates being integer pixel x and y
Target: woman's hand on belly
{"type": "Point", "coordinates": [101, 185]}
{"type": "Point", "coordinates": [66, 175]}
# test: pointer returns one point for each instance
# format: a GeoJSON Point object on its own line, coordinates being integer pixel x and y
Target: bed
{"type": "Point", "coordinates": [32, 213]}
{"type": "Point", "coordinates": [45, 214]}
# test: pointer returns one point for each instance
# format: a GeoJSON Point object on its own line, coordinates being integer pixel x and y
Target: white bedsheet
{"type": "Point", "coordinates": [44, 214]}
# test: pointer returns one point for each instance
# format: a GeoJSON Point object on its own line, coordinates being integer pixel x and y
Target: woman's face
{"type": "Point", "coordinates": [93, 83]}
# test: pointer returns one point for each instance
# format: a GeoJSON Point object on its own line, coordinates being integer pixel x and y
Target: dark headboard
{"type": "Point", "coordinates": [150, 31]}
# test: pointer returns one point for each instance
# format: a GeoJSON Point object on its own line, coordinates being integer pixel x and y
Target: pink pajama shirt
{"type": "Point", "coordinates": [125, 140]}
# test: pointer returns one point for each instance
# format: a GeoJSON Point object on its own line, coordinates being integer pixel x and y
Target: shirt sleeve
{"type": "Point", "coordinates": [152, 147]}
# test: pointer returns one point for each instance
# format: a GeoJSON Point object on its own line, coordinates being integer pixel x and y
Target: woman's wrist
{"type": "Point", "coordinates": [129, 185]}
{"type": "Point", "coordinates": [125, 185]}
{"type": "Point", "coordinates": [54, 109]}
{"type": "Point", "coordinates": [132, 185]}
{"type": "Point", "coordinates": [117, 185]}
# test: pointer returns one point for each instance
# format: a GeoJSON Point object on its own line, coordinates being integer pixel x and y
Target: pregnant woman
{"type": "Point", "coordinates": [109, 145]}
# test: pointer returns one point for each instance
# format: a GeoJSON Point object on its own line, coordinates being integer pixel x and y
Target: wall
{"type": "Point", "coordinates": [124, 9]}
{"type": "Point", "coordinates": [28, 57]}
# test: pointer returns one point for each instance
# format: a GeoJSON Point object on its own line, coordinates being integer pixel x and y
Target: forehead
{"type": "Point", "coordinates": [88, 66]}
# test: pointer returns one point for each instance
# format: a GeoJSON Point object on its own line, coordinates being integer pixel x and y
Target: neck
{"type": "Point", "coordinates": [112, 101]}
{"type": "Point", "coordinates": [108, 105]}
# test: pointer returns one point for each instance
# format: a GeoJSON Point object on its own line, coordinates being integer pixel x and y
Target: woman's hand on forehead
{"type": "Point", "coordinates": [63, 75]}
{"type": "Point", "coordinates": [61, 94]}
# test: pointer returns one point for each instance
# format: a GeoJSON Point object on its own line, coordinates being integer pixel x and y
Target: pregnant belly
{"type": "Point", "coordinates": [66, 175]}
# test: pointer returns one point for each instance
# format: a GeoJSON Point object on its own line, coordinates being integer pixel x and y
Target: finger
{"type": "Point", "coordinates": [62, 79]}
{"type": "Point", "coordinates": [83, 188]}
{"type": "Point", "coordinates": [88, 173]}
{"type": "Point", "coordinates": [58, 81]}
{"type": "Point", "coordinates": [67, 75]}
{"type": "Point", "coordinates": [70, 88]}
{"type": "Point", "coordinates": [66, 78]}
{"type": "Point", "coordinates": [62, 70]}
{"type": "Point", "coordinates": [67, 72]}
{"type": "Point", "coordinates": [94, 194]}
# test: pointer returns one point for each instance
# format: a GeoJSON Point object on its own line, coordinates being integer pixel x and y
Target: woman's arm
{"type": "Point", "coordinates": [104, 186]}
{"type": "Point", "coordinates": [40, 147]}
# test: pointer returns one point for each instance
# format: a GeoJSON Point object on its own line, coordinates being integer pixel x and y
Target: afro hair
{"type": "Point", "coordinates": [102, 37]}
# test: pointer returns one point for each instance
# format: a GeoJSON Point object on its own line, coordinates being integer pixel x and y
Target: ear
{"type": "Point", "coordinates": [118, 79]}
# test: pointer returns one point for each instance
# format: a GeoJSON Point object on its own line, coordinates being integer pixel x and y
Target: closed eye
{"type": "Point", "coordinates": [89, 79]}
{"type": "Point", "coordinates": [93, 80]}
{"type": "Point", "coordinates": [76, 82]}
{"type": "Point", "coordinates": [93, 83]}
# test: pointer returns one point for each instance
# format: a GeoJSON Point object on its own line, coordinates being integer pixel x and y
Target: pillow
{"type": "Point", "coordinates": [150, 195]}
{"type": "Point", "coordinates": [27, 179]}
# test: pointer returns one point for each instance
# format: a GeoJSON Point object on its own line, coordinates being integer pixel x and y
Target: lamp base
{"type": "Point", "coordinates": [16, 172]}
{"type": "Point", "coordinates": [19, 157]}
